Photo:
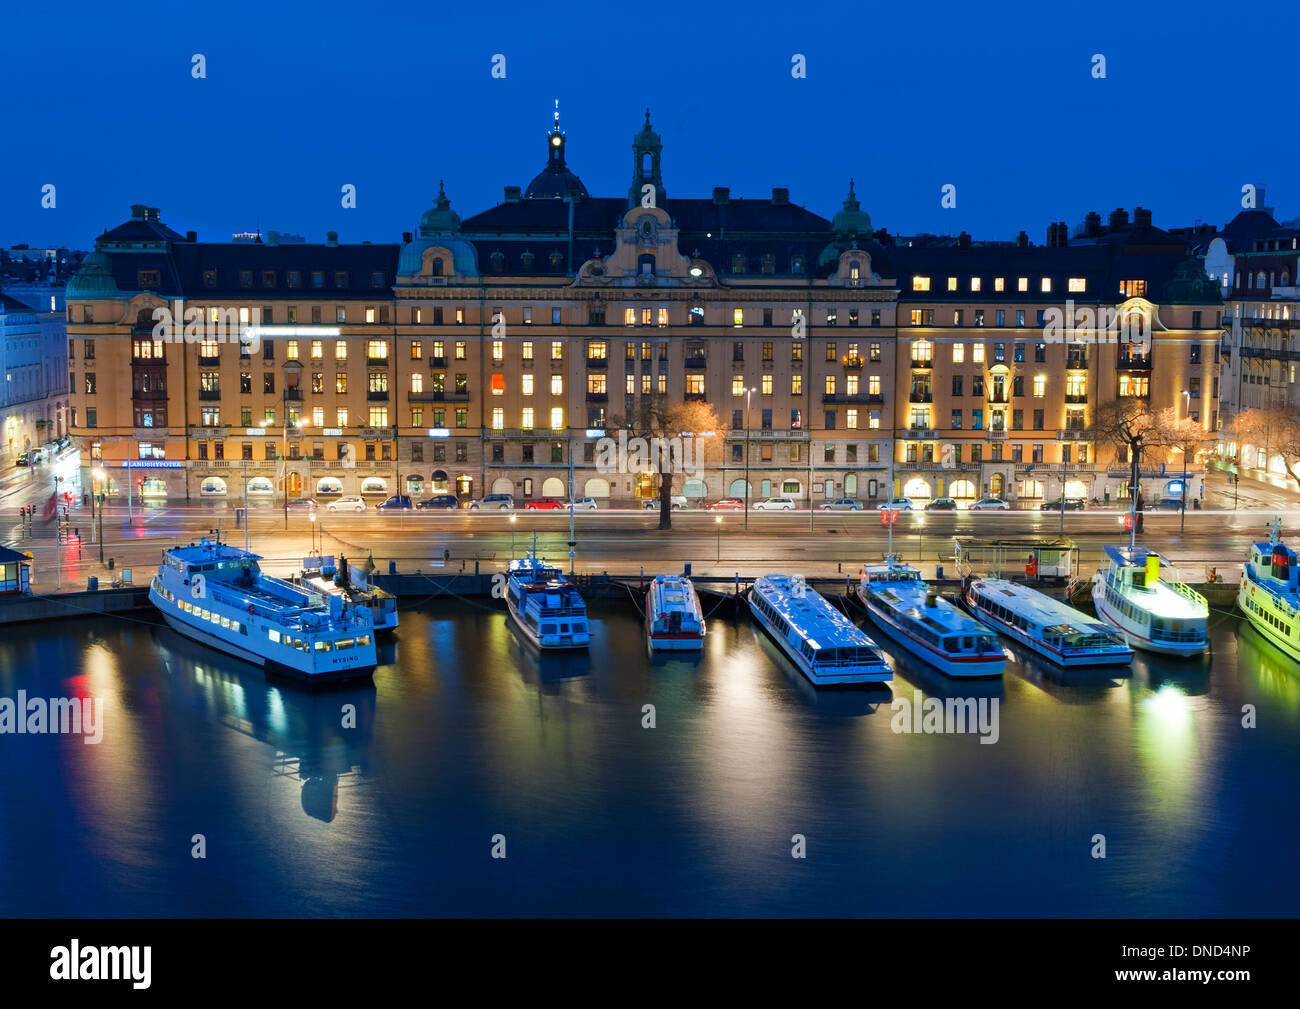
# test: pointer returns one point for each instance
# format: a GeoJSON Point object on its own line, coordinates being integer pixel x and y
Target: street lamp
{"type": "Point", "coordinates": [748, 393]}
{"type": "Point", "coordinates": [513, 519]}
{"type": "Point", "coordinates": [1182, 512]}
{"type": "Point", "coordinates": [290, 368]}
{"type": "Point", "coordinates": [718, 521]}
{"type": "Point", "coordinates": [99, 478]}
{"type": "Point", "coordinates": [312, 527]}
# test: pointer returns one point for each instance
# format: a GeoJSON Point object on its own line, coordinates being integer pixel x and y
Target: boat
{"type": "Point", "coordinates": [1152, 612]}
{"type": "Point", "coordinates": [826, 646]}
{"type": "Point", "coordinates": [1269, 593]}
{"type": "Point", "coordinates": [893, 595]}
{"type": "Point", "coordinates": [673, 618]}
{"type": "Point", "coordinates": [218, 595]}
{"type": "Point", "coordinates": [1050, 627]}
{"type": "Point", "coordinates": [548, 610]}
{"type": "Point", "coordinates": [323, 575]}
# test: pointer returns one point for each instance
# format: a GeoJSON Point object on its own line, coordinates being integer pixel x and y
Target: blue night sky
{"type": "Point", "coordinates": [995, 98]}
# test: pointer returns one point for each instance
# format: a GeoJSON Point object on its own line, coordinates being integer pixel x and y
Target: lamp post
{"type": "Point", "coordinates": [513, 519]}
{"type": "Point", "coordinates": [748, 393]}
{"type": "Point", "coordinates": [98, 476]}
{"type": "Point", "coordinates": [1182, 512]}
{"type": "Point", "coordinates": [290, 368]}
{"type": "Point", "coordinates": [718, 521]}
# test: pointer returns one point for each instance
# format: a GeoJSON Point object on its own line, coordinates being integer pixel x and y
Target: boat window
{"type": "Point", "coordinates": [548, 628]}
{"type": "Point", "coordinates": [343, 644]}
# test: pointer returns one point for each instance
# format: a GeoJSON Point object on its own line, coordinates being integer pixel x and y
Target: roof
{"type": "Point", "coordinates": [8, 556]}
{"type": "Point", "coordinates": [1129, 555]}
{"type": "Point", "coordinates": [8, 304]}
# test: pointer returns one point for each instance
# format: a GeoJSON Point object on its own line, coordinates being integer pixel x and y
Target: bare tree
{"type": "Point", "coordinates": [676, 438]}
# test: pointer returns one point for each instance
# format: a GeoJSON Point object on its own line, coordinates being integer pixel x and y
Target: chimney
{"type": "Point", "coordinates": [191, 236]}
{"type": "Point", "coordinates": [1063, 231]}
{"type": "Point", "coordinates": [1118, 219]}
{"type": "Point", "coordinates": [780, 196]}
{"type": "Point", "coordinates": [1022, 241]}
{"type": "Point", "coordinates": [963, 241]}
{"type": "Point", "coordinates": [272, 238]}
{"type": "Point", "coordinates": [406, 236]}
{"type": "Point", "coordinates": [1141, 218]}
{"type": "Point", "coordinates": [721, 195]}
{"type": "Point", "coordinates": [513, 194]}
{"type": "Point", "coordinates": [1051, 236]}
{"type": "Point", "coordinates": [1092, 224]}
{"type": "Point", "coordinates": [331, 238]}
{"type": "Point", "coordinates": [139, 212]}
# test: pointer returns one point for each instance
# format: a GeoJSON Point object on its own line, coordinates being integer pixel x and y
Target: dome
{"type": "Point", "coordinates": [440, 220]}
{"type": "Point", "coordinates": [93, 278]}
{"type": "Point", "coordinates": [852, 220]}
{"type": "Point", "coordinates": [554, 182]}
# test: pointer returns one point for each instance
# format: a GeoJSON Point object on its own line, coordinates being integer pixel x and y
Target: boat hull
{"type": "Point", "coordinates": [820, 678]}
{"type": "Point", "coordinates": [1136, 639]}
{"type": "Point", "coordinates": [1066, 660]}
{"type": "Point", "coordinates": [1263, 627]}
{"type": "Point", "coordinates": [203, 637]}
{"type": "Point", "coordinates": [975, 667]}
{"type": "Point", "coordinates": [676, 642]}
{"type": "Point", "coordinates": [536, 639]}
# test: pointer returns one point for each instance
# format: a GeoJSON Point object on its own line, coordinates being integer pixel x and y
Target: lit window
{"type": "Point", "coordinates": [498, 351]}
{"type": "Point", "coordinates": [952, 283]}
{"type": "Point", "coordinates": [417, 382]}
{"type": "Point", "coordinates": [557, 418]}
{"type": "Point", "coordinates": [663, 317]}
{"type": "Point", "coordinates": [1046, 285]}
{"type": "Point", "coordinates": [498, 418]}
{"type": "Point", "coordinates": [557, 350]}
{"type": "Point", "coordinates": [975, 283]}
{"type": "Point", "coordinates": [1040, 386]}
{"type": "Point", "coordinates": [738, 317]}
{"type": "Point", "coordinates": [526, 383]}
{"type": "Point", "coordinates": [526, 418]}
{"type": "Point", "coordinates": [873, 385]}
{"type": "Point", "coordinates": [1022, 284]}
{"type": "Point", "coordinates": [737, 385]}
{"type": "Point", "coordinates": [851, 419]}
{"type": "Point", "coordinates": [977, 353]}
{"type": "Point", "coordinates": [958, 353]}
{"type": "Point", "coordinates": [920, 283]}
{"type": "Point", "coordinates": [767, 385]}
{"type": "Point", "coordinates": [999, 283]}
{"type": "Point", "coordinates": [557, 385]}
{"type": "Point", "coordinates": [340, 350]}
{"type": "Point", "coordinates": [498, 384]}
{"type": "Point", "coordinates": [1077, 285]}
{"type": "Point", "coordinates": [629, 317]}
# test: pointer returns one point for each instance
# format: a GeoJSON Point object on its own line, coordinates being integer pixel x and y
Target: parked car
{"type": "Point", "coordinates": [499, 502]}
{"type": "Point", "coordinates": [1071, 504]}
{"type": "Point", "coordinates": [395, 503]}
{"type": "Point", "coordinates": [439, 502]}
{"type": "Point", "coordinates": [902, 504]}
{"type": "Point", "coordinates": [842, 504]}
{"type": "Point", "coordinates": [346, 504]}
{"type": "Point", "coordinates": [23, 460]}
{"type": "Point", "coordinates": [990, 504]}
{"type": "Point", "coordinates": [678, 502]}
{"type": "Point", "coordinates": [584, 504]}
{"type": "Point", "coordinates": [726, 504]}
{"type": "Point", "coordinates": [775, 504]}
{"type": "Point", "coordinates": [1168, 504]}
{"type": "Point", "coordinates": [304, 505]}
{"type": "Point", "coordinates": [544, 504]}
{"type": "Point", "coordinates": [942, 504]}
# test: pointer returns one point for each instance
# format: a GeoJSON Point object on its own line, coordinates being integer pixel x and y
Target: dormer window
{"type": "Point", "coordinates": [557, 262]}
{"type": "Point", "coordinates": [437, 266]}
{"type": "Point", "coordinates": [769, 263]}
{"type": "Point", "coordinates": [855, 270]}
{"type": "Point", "coordinates": [645, 265]}
{"type": "Point", "coordinates": [377, 279]}
{"type": "Point", "coordinates": [317, 278]}
{"type": "Point", "coordinates": [147, 280]}
{"type": "Point", "coordinates": [209, 278]}
{"type": "Point", "coordinates": [245, 278]}
{"type": "Point", "coordinates": [738, 263]}
{"type": "Point", "coordinates": [295, 278]}
{"type": "Point", "coordinates": [796, 264]}
{"type": "Point", "coordinates": [526, 261]}
{"type": "Point", "coordinates": [340, 280]}
{"type": "Point", "coordinates": [498, 260]}
{"type": "Point", "coordinates": [268, 278]}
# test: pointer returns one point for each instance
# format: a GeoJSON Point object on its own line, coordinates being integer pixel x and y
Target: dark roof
{"type": "Point", "coordinates": [9, 304]}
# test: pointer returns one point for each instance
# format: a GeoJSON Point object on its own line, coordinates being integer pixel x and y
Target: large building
{"type": "Point", "coordinates": [33, 368]}
{"type": "Point", "coordinates": [489, 354]}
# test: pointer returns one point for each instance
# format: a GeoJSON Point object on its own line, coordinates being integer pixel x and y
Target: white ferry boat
{"type": "Point", "coordinates": [931, 628]}
{"type": "Point", "coordinates": [673, 618]}
{"type": "Point", "coordinates": [217, 594]}
{"type": "Point", "coordinates": [1269, 594]}
{"type": "Point", "coordinates": [548, 610]}
{"type": "Point", "coordinates": [323, 575]}
{"type": "Point", "coordinates": [826, 645]}
{"type": "Point", "coordinates": [1152, 613]}
{"type": "Point", "coordinates": [1053, 629]}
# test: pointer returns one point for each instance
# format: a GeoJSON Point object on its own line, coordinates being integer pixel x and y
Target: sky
{"type": "Point", "coordinates": [995, 98]}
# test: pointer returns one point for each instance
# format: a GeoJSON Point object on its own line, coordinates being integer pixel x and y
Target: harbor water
{"type": "Point", "coordinates": [390, 799]}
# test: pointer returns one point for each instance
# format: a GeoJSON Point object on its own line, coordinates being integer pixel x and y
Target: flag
{"type": "Point", "coordinates": [52, 507]}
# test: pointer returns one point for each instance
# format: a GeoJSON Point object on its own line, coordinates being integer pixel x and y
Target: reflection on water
{"type": "Point", "coordinates": [381, 799]}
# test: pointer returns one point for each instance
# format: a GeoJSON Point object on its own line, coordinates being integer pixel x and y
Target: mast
{"type": "Point", "coordinates": [889, 508]}
{"type": "Point", "coordinates": [1133, 498]}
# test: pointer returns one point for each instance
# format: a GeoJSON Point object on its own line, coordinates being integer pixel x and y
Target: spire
{"type": "Point", "coordinates": [646, 150]}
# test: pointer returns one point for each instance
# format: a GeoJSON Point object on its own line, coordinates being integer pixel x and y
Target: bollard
{"type": "Point", "coordinates": [92, 584]}
{"type": "Point", "coordinates": [392, 567]}
{"type": "Point", "coordinates": [938, 572]}
{"type": "Point", "coordinates": [110, 564]}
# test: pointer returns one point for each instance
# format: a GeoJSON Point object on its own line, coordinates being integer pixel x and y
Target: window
{"type": "Point", "coordinates": [379, 416]}
{"type": "Point", "coordinates": [525, 350]}
{"type": "Point", "coordinates": [1195, 349]}
{"type": "Point", "coordinates": [557, 418]}
{"type": "Point", "coordinates": [526, 419]}
{"type": "Point", "coordinates": [557, 385]}
{"type": "Point", "coordinates": [977, 353]}
{"type": "Point", "coordinates": [376, 350]}
{"type": "Point", "coordinates": [1040, 386]}
{"type": "Point", "coordinates": [738, 317]}
{"type": "Point", "coordinates": [694, 384]}
{"type": "Point", "coordinates": [526, 383]}
{"type": "Point", "coordinates": [417, 350]}
{"type": "Point", "coordinates": [766, 384]}
{"type": "Point", "coordinates": [498, 418]}
{"type": "Point", "coordinates": [417, 382]}
{"type": "Point", "coordinates": [498, 351]}
{"type": "Point", "coordinates": [340, 350]}
{"type": "Point", "coordinates": [922, 352]}
{"type": "Point", "coordinates": [830, 385]}
{"type": "Point", "coordinates": [1076, 285]}
{"type": "Point", "coordinates": [796, 385]}
{"type": "Point", "coordinates": [341, 382]}
{"type": "Point", "coordinates": [956, 385]}
{"type": "Point", "coordinates": [737, 385]}
{"type": "Point", "coordinates": [956, 420]}
{"type": "Point", "coordinates": [958, 353]}
{"type": "Point", "coordinates": [920, 283]}
{"type": "Point", "coordinates": [557, 350]}
{"type": "Point", "coordinates": [1038, 421]}
{"type": "Point", "coordinates": [460, 350]}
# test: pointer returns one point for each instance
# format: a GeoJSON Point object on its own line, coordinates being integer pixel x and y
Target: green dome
{"type": "Point", "coordinates": [852, 220]}
{"type": "Point", "coordinates": [94, 278]}
{"type": "Point", "coordinates": [441, 220]}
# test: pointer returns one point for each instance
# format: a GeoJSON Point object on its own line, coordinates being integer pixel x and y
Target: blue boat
{"type": "Point", "coordinates": [1269, 593]}
{"type": "Point", "coordinates": [548, 610]}
{"type": "Point", "coordinates": [218, 595]}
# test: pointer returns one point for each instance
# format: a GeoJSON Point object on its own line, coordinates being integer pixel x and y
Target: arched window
{"type": "Point", "coordinates": [437, 266]}
{"type": "Point", "coordinates": [526, 260]}
{"type": "Point", "coordinates": [769, 263]}
{"type": "Point", "coordinates": [916, 487]}
{"type": "Point", "coordinates": [997, 482]}
{"type": "Point", "coordinates": [557, 261]}
{"type": "Point", "coordinates": [738, 263]}
{"type": "Point", "coordinates": [498, 260]}
{"type": "Point", "coordinates": [1259, 280]}
{"type": "Point", "coordinates": [796, 264]}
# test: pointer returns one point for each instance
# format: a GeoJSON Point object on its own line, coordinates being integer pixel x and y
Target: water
{"type": "Point", "coordinates": [466, 734]}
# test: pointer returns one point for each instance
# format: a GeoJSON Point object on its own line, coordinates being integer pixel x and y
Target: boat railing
{"type": "Point", "coordinates": [1183, 589]}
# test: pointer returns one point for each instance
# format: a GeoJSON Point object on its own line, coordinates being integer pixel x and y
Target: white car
{"type": "Point", "coordinates": [990, 504]}
{"type": "Point", "coordinates": [346, 504]}
{"type": "Point", "coordinates": [581, 504]}
{"type": "Point", "coordinates": [775, 504]}
{"type": "Point", "coordinates": [678, 502]}
{"type": "Point", "coordinates": [842, 504]}
{"type": "Point", "coordinates": [898, 504]}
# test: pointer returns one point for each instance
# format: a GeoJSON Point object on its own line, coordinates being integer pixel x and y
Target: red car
{"type": "Point", "coordinates": [544, 504]}
{"type": "Point", "coordinates": [726, 504]}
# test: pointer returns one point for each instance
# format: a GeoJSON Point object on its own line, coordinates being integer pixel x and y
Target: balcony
{"type": "Point", "coordinates": [697, 362]}
{"type": "Point", "coordinates": [694, 397]}
{"type": "Point", "coordinates": [209, 395]}
{"type": "Point", "coordinates": [603, 397]}
{"type": "Point", "coordinates": [920, 397]}
{"type": "Point", "coordinates": [996, 434]}
{"type": "Point", "coordinates": [855, 399]}
{"type": "Point", "coordinates": [377, 396]}
{"type": "Point", "coordinates": [436, 396]}
{"type": "Point", "coordinates": [1076, 397]}
{"type": "Point", "coordinates": [1133, 363]}
{"type": "Point", "coordinates": [149, 395]}
{"type": "Point", "coordinates": [1076, 364]}
{"type": "Point", "coordinates": [853, 363]}
{"type": "Point", "coordinates": [598, 362]}
{"type": "Point", "coordinates": [377, 362]}
{"type": "Point", "coordinates": [437, 362]}
{"type": "Point", "coordinates": [925, 362]}
{"type": "Point", "coordinates": [293, 395]}
{"type": "Point", "coordinates": [998, 397]}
